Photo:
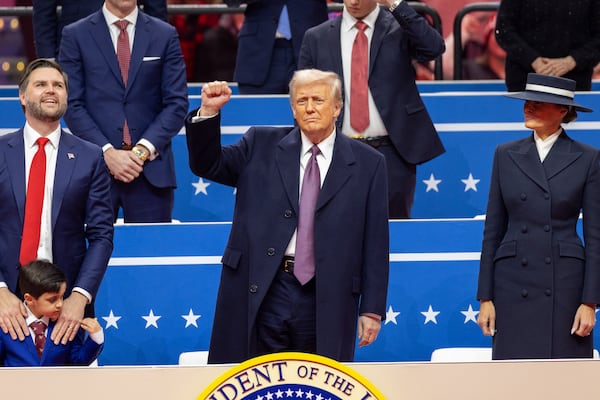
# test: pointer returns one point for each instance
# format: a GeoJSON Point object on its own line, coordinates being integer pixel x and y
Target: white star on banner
{"type": "Point", "coordinates": [470, 183]}
{"type": "Point", "coordinates": [151, 319]}
{"type": "Point", "coordinates": [309, 395]}
{"type": "Point", "coordinates": [432, 183]}
{"type": "Point", "coordinates": [200, 186]}
{"type": "Point", "coordinates": [191, 318]}
{"type": "Point", "coordinates": [269, 396]}
{"type": "Point", "coordinates": [430, 315]}
{"type": "Point", "coordinates": [470, 314]}
{"type": "Point", "coordinates": [390, 315]}
{"type": "Point", "coordinates": [289, 393]}
{"type": "Point", "coordinates": [111, 320]}
{"type": "Point", "coordinates": [279, 394]}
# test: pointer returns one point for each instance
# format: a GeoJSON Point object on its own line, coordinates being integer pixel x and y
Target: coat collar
{"type": "Point", "coordinates": [289, 167]}
{"type": "Point", "coordinates": [526, 157]}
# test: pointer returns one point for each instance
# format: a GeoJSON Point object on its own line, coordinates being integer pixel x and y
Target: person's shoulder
{"type": "Point", "coordinates": [154, 23]}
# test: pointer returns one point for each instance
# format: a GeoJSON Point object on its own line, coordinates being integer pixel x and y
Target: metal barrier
{"type": "Point", "coordinates": [195, 9]}
{"type": "Point", "coordinates": [458, 49]}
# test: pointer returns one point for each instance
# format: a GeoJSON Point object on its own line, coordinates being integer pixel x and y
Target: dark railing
{"type": "Point", "coordinates": [194, 9]}
{"type": "Point", "coordinates": [458, 49]}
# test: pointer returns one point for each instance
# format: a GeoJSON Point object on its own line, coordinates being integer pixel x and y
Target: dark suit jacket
{"type": "Point", "coordinates": [48, 25]}
{"type": "Point", "coordinates": [528, 29]}
{"type": "Point", "coordinates": [82, 218]}
{"type": "Point", "coordinates": [155, 100]}
{"type": "Point", "coordinates": [397, 39]}
{"type": "Point", "coordinates": [16, 353]}
{"type": "Point", "coordinates": [257, 35]}
{"type": "Point", "coordinates": [533, 263]}
{"type": "Point", "coordinates": [351, 233]}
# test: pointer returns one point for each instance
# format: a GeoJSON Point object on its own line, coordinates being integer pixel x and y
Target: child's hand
{"type": "Point", "coordinates": [90, 325]}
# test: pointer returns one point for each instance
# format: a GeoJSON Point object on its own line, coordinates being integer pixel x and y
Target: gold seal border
{"type": "Point", "coordinates": [289, 356]}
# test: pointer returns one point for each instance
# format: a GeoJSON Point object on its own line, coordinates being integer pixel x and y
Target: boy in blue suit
{"type": "Point", "coordinates": [43, 286]}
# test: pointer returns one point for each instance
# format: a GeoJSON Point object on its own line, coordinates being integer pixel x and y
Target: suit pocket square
{"type": "Point", "coordinates": [150, 58]}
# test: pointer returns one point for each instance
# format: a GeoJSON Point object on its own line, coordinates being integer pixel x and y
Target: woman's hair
{"type": "Point", "coordinates": [570, 116]}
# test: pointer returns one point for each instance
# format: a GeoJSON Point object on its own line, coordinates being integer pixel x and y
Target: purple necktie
{"type": "Point", "coordinates": [304, 259]}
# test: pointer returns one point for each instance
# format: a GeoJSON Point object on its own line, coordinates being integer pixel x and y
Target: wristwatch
{"type": "Point", "coordinates": [395, 5]}
{"type": "Point", "coordinates": [140, 152]}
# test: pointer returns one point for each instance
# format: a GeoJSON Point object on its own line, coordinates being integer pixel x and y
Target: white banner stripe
{"type": "Point", "coordinates": [216, 260]}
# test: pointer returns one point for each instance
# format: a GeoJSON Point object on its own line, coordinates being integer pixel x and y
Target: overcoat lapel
{"type": "Point", "coordinates": [527, 160]}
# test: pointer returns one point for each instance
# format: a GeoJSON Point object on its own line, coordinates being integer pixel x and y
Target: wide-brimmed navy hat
{"type": "Point", "coordinates": [549, 89]}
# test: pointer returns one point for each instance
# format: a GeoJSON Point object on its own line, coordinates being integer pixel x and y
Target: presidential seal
{"type": "Point", "coordinates": [291, 376]}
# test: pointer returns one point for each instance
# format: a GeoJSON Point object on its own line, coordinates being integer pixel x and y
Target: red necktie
{"type": "Point", "coordinates": [38, 328]}
{"type": "Point", "coordinates": [304, 258]}
{"type": "Point", "coordinates": [359, 86]}
{"type": "Point", "coordinates": [34, 201]}
{"type": "Point", "coordinates": [124, 57]}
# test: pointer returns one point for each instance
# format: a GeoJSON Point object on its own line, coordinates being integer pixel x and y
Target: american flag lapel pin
{"type": "Point", "coordinates": [71, 156]}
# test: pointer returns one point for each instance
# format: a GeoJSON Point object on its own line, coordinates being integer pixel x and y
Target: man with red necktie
{"type": "Point", "coordinates": [54, 204]}
{"type": "Point", "coordinates": [372, 46]}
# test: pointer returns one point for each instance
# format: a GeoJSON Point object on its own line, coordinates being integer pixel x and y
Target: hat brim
{"type": "Point", "coordinates": [547, 98]}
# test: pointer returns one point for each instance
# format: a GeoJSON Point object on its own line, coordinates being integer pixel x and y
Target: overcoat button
{"type": "Point", "coordinates": [524, 229]}
{"type": "Point", "coordinates": [270, 251]}
{"type": "Point", "coordinates": [547, 228]}
{"type": "Point", "coordinates": [523, 196]}
{"type": "Point", "coordinates": [547, 260]}
{"type": "Point", "coordinates": [548, 292]}
{"type": "Point", "coordinates": [524, 262]}
{"type": "Point", "coordinates": [524, 293]}
{"type": "Point", "coordinates": [253, 288]}
{"type": "Point", "coordinates": [546, 196]}
{"type": "Point", "coordinates": [288, 213]}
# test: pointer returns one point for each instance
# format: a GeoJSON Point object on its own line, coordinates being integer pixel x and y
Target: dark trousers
{"type": "Point", "coordinates": [283, 65]}
{"type": "Point", "coordinates": [402, 178]}
{"type": "Point", "coordinates": [286, 320]}
{"type": "Point", "coordinates": [142, 202]}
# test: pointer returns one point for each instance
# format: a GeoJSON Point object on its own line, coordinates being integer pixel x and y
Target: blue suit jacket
{"type": "Point", "coordinates": [155, 100]}
{"type": "Point", "coordinates": [48, 25]}
{"type": "Point", "coordinates": [398, 38]}
{"type": "Point", "coordinates": [257, 35]}
{"type": "Point", "coordinates": [16, 353]}
{"type": "Point", "coordinates": [351, 233]}
{"type": "Point", "coordinates": [82, 218]}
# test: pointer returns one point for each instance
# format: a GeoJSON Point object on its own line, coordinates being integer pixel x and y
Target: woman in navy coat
{"type": "Point", "coordinates": [538, 284]}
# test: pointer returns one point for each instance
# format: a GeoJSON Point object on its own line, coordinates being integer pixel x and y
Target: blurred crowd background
{"type": "Point", "coordinates": [209, 42]}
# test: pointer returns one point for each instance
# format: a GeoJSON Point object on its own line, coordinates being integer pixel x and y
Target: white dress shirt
{"type": "Point", "coordinates": [545, 145]}
{"type": "Point", "coordinates": [347, 34]}
{"type": "Point", "coordinates": [324, 161]}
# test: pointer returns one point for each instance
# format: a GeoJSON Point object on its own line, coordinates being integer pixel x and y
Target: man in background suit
{"type": "Point", "coordinates": [263, 304]}
{"type": "Point", "coordinates": [268, 55]}
{"type": "Point", "coordinates": [132, 115]}
{"type": "Point", "coordinates": [76, 229]}
{"type": "Point", "coordinates": [48, 24]}
{"type": "Point", "coordinates": [399, 125]}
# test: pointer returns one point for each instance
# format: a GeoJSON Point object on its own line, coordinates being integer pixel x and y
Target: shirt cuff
{"type": "Point", "coordinates": [371, 315]}
{"type": "Point", "coordinates": [98, 337]}
{"type": "Point", "coordinates": [83, 292]}
{"type": "Point", "coordinates": [146, 143]}
{"type": "Point", "coordinates": [199, 118]}
{"type": "Point", "coordinates": [3, 284]}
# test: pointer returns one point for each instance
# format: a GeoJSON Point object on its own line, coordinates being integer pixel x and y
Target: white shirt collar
{"type": "Point", "coordinates": [326, 146]}
{"type": "Point", "coordinates": [348, 20]}
{"type": "Point", "coordinates": [112, 18]}
{"type": "Point", "coordinates": [32, 318]}
{"type": "Point", "coordinates": [31, 136]}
